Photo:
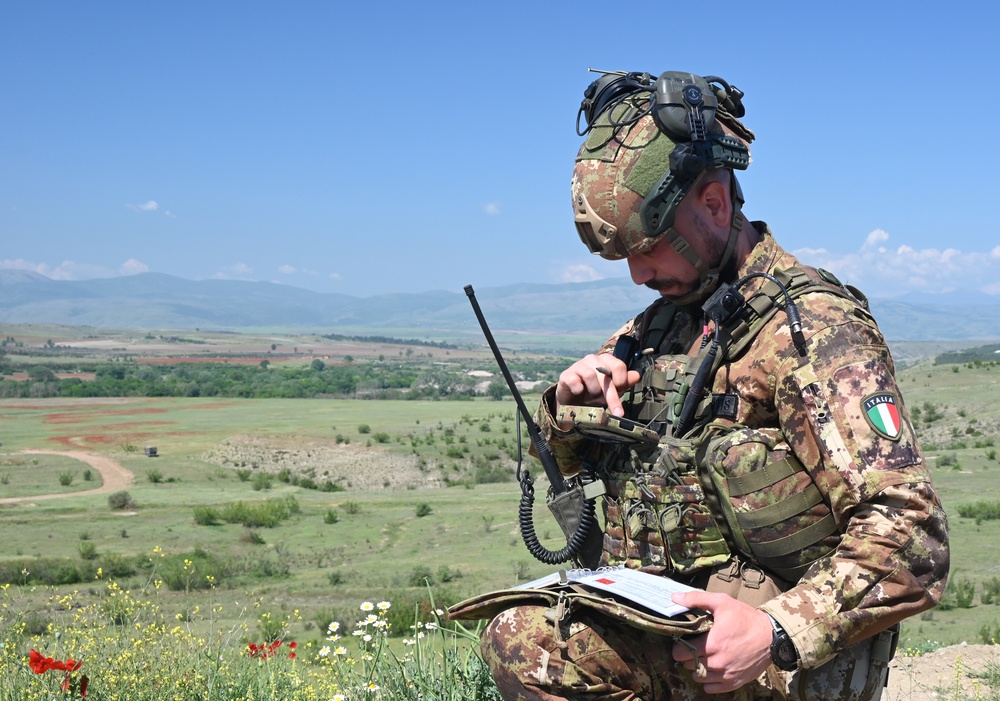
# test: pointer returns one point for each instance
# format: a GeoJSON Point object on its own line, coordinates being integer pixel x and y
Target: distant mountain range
{"type": "Point", "coordinates": [158, 301]}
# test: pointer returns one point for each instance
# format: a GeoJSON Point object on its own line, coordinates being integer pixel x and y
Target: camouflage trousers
{"type": "Point", "coordinates": [595, 658]}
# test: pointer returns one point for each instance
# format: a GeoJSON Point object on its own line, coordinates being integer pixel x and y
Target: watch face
{"type": "Point", "coordinates": [783, 654]}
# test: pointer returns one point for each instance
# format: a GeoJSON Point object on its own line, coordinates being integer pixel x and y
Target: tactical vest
{"type": "Point", "coordinates": [690, 502]}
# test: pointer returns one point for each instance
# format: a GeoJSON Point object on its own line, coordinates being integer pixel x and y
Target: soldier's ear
{"type": "Point", "coordinates": [714, 198]}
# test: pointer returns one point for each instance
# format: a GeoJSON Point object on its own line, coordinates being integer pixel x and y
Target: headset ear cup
{"type": "Point", "coordinates": [606, 92]}
{"type": "Point", "coordinates": [682, 101]}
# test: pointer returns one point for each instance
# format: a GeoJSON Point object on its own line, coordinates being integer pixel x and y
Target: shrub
{"type": "Point", "coordinates": [331, 516]}
{"type": "Point", "coordinates": [364, 428]}
{"type": "Point", "coordinates": [446, 574]}
{"type": "Point", "coordinates": [154, 476]}
{"type": "Point", "coordinates": [420, 576]}
{"type": "Point", "coordinates": [262, 480]}
{"type": "Point", "coordinates": [352, 507]}
{"type": "Point", "coordinates": [424, 509]}
{"type": "Point", "coordinates": [980, 510]}
{"type": "Point", "coordinates": [119, 501]}
{"type": "Point", "coordinates": [243, 475]}
{"type": "Point", "coordinates": [266, 514]}
{"type": "Point", "coordinates": [960, 594]}
{"type": "Point", "coordinates": [206, 516]}
{"type": "Point", "coordinates": [251, 536]}
{"type": "Point", "coordinates": [87, 550]}
{"type": "Point", "coordinates": [66, 478]}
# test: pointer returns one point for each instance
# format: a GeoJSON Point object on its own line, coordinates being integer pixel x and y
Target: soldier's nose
{"type": "Point", "coordinates": [640, 269]}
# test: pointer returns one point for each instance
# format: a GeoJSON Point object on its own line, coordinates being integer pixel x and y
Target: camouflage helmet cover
{"type": "Point", "coordinates": [616, 169]}
{"type": "Point", "coordinates": [611, 179]}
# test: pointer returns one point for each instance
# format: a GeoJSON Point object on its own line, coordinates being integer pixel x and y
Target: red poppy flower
{"type": "Point", "coordinates": [40, 664]}
{"type": "Point", "coordinates": [83, 686]}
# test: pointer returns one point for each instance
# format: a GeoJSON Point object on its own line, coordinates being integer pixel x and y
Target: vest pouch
{"type": "Point", "coordinates": [773, 512]}
{"type": "Point", "coordinates": [745, 582]}
{"type": "Point", "coordinates": [657, 518]}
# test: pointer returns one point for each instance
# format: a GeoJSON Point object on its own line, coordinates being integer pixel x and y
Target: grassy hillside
{"type": "Point", "coordinates": [393, 526]}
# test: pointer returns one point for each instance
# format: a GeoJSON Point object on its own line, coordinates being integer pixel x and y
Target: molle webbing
{"type": "Point", "coordinates": [769, 299]}
{"type": "Point", "coordinates": [770, 510]}
{"type": "Point", "coordinates": [761, 479]}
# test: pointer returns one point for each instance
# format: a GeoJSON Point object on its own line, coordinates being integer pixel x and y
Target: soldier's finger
{"type": "Point", "coordinates": [611, 398]}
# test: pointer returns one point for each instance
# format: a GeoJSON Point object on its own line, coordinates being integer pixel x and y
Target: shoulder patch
{"type": "Point", "coordinates": [882, 414]}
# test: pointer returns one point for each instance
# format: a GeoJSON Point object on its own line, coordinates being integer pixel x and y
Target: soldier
{"type": "Point", "coordinates": [786, 482]}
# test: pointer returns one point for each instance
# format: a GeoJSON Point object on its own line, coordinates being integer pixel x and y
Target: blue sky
{"type": "Point", "coordinates": [408, 147]}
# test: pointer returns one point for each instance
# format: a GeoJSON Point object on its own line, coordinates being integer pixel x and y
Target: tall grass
{"type": "Point", "coordinates": [123, 647]}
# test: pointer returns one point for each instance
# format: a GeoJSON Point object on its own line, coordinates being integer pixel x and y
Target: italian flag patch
{"type": "Point", "coordinates": [882, 414]}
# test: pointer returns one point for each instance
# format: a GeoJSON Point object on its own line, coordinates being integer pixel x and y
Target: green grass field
{"type": "Point", "coordinates": [369, 543]}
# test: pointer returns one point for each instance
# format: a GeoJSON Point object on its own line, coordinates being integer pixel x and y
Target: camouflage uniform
{"type": "Point", "coordinates": [885, 559]}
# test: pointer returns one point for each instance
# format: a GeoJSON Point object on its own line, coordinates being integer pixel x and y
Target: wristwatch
{"type": "Point", "coordinates": [784, 656]}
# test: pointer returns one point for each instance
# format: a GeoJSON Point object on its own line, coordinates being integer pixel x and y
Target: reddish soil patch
{"type": "Point", "coordinates": [210, 405]}
{"type": "Point", "coordinates": [80, 417]}
{"type": "Point", "coordinates": [98, 440]}
{"type": "Point", "coordinates": [127, 426]}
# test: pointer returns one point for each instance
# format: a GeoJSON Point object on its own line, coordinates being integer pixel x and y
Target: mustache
{"type": "Point", "coordinates": [662, 283]}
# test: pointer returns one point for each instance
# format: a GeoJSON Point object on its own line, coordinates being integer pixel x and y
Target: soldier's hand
{"type": "Point", "coordinates": [734, 652]}
{"type": "Point", "coordinates": [583, 383]}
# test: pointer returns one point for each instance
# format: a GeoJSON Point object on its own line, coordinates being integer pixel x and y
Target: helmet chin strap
{"type": "Point", "coordinates": [708, 278]}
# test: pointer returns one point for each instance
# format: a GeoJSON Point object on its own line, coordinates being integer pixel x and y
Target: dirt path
{"type": "Point", "coordinates": [115, 476]}
{"type": "Point", "coordinates": [959, 671]}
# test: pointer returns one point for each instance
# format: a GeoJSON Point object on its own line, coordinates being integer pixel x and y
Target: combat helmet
{"type": "Point", "coordinates": [649, 142]}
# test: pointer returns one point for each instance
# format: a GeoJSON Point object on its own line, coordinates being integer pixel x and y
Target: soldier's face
{"type": "Point", "coordinates": [665, 270]}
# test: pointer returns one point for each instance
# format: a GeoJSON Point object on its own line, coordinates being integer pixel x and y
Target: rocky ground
{"type": "Point", "coordinates": [347, 464]}
{"type": "Point", "coordinates": [952, 673]}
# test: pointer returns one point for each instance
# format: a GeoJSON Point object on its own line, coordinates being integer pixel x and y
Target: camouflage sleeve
{"type": "Point", "coordinates": [843, 416]}
{"type": "Point", "coordinates": [568, 445]}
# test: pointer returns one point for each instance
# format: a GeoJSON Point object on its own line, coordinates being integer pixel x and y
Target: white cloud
{"type": "Point", "coordinates": [492, 209]}
{"type": "Point", "coordinates": [875, 238]}
{"type": "Point", "coordinates": [133, 267]}
{"type": "Point", "coordinates": [237, 271]}
{"type": "Point", "coordinates": [287, 269]}
{"type": "Point", "coordinates": [19, 264]}
{"type": "Point", "coordinates": [335, 276]}
{"type": "Point", "coordinates": [579, 272]}
{"type": "Point", "coordinates": [881, 270]}
{"type": "Point", "coordinates": [67, 270]}
{"type": "Point", "coordinates": [147, 206]}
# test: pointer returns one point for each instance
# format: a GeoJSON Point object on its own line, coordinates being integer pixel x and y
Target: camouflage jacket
{"type": "Point", "coordinates": [892, 558]}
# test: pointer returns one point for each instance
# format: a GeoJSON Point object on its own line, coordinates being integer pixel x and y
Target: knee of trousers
{"type": "Point", "coordinates": [518, 628]}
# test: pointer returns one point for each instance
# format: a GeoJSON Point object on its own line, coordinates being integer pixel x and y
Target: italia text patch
{"type": "Point", "coordinates": [882, 413]}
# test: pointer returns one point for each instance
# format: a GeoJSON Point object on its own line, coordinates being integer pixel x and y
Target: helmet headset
{"type": "Point", "coordinates": [697, 118]}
